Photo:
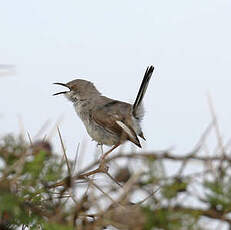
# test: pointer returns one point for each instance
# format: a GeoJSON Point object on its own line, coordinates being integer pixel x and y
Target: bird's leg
{"type": "Point", "coordinates": [109, 151]}
{"type": "Point", "coordinates": [101, 147]}
{"type": "Point", "coordinates": [102, 167]}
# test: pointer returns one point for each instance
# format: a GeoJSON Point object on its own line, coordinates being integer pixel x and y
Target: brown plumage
{"type": "Point", "coordinates": [108, 121]}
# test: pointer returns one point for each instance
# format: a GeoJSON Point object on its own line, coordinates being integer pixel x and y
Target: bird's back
{"type": "Point", "coordinates": [116, 117]}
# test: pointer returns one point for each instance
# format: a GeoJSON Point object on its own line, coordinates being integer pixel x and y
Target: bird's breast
{"type": "Point", "coordinates": [95, 131]}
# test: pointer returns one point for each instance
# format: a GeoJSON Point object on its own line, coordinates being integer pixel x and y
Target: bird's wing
{"type": "Point", "coordinates": [113, 116]}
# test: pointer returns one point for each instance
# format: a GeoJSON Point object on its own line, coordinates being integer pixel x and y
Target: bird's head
{"type": "Point", "coordinates": [78, 90]}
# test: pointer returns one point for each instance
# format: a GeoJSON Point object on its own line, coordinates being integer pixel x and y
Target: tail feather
{"type": "Point", "coordinates": [142, 90]}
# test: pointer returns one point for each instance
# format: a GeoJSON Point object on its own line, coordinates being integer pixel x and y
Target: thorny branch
{"type": "Point", "coordinates": [146, 194]}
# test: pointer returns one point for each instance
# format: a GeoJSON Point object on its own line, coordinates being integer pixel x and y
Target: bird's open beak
{"type": "Point", "coordinates": [63, 92]}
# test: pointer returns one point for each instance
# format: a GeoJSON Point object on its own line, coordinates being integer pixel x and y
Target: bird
{"type": "Point", "coordinates": [108, 121]}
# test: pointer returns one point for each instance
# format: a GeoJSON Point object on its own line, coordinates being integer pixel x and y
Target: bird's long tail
{"type": "Point", "coordinates": [142, 90]}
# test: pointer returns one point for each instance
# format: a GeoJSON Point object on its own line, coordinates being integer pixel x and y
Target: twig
{"type": "Point", "coordinates": [64, 152]}
{"type": "Point", "coordinates": [29, 137]}
{"type": "Point", "coordinates": [109, 197]}
{"type": "Point", "coordinates": [145, 155]}
{"type": "Point", "coordinates": [42, 129]}
{"type": "Point", "coordinates": [76, 157]}
{"type": "Point", "coordinates": [149, 196]}
{"type": "Point", "coordinates": [113, 179]}
{"type": "Point", "coordinates": [217, 129]}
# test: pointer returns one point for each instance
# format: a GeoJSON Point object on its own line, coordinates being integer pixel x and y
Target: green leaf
{"type": "Point", "coordinates": [171, 190]}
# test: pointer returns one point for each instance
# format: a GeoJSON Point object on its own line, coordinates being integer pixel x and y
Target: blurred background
{"type": "Point", "coordinates": [111, 43]}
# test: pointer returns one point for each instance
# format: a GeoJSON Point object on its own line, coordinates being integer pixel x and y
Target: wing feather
{"type": "Point", "coordinates": [113, 116]}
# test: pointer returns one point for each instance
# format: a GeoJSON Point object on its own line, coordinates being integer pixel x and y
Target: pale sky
{"type": "Point", "coordinates": [111, 43]}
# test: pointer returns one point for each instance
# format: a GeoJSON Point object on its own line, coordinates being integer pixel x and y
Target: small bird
{"type": "Point", "coordinates": [108, 121]}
